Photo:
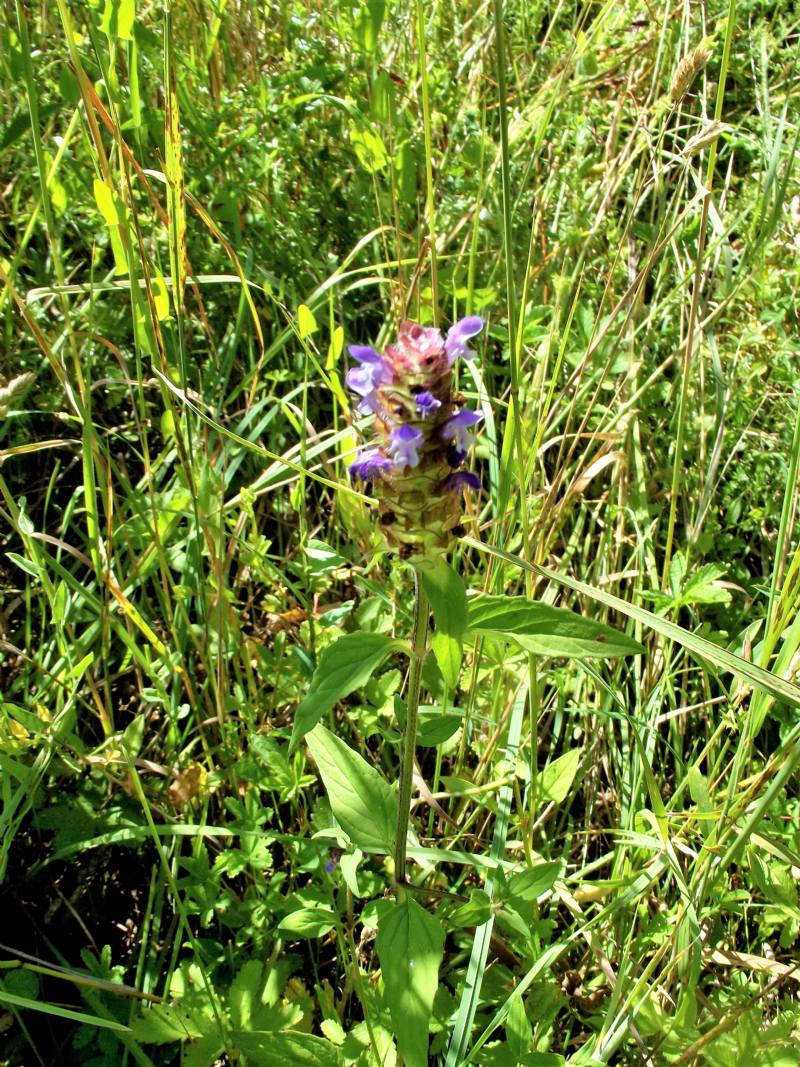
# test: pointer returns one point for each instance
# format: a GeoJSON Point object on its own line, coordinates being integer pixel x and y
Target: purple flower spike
{"type": "Point", "coordinates": [458, 335]}
{"type": "Point", "coordinates": [427, 404]}
{"type": "Point", "coordinates": [369, 465]}
{"type": "Point", "coordinates": [462, 480]}
{"type": "Point", "coordinates": [405, 441]}
{"type": "Point", "coordinates": [458, 430]}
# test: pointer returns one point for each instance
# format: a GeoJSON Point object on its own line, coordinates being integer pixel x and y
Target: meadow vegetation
{"type": "Point", "coordinates": [201, 206]}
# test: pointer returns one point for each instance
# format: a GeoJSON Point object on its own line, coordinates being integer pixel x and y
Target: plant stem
{"type": "Point", "coordinates": [419, 646]}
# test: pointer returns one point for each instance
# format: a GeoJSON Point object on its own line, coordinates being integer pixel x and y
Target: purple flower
{"type": "Point", "coordinates": [361, 379]}
{"type": "Point", "coordinates": [404, 442]}
{"type": "Point", "coordinates": [458, 335]}
{"type": "Point", "coordinates": [369, 465]}
{"type": "Point", "coordinates": [374, 370]}
{"type": "Point", "coordinates": [427, 404]}
{"type": "Point", "coordinates": [366, 355]}
{"type": "Point", "coordinates": [458, 430]}
{"type": "Point", "coordinates": [462, 480]}
{"type": "Point", "coordinates": [330, 866]}
{"type": "Point", "coordinates": [369, 404]}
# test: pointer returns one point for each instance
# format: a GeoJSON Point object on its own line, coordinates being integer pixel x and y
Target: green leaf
{"type": "Point", "coordinates": [277, 1050]}
{"type": "Point", "coordinates": [436, 728]}
{"type": "Point", "coordinates": [307, 922]}
{"type": "Point", "coordinates": [161, 297]}
{"type": "Point", "coordinates": [545, 630]}
{"type": "Point", "coordinates": [348, 865]}
{"type": "Point", "coordinates": [343, 666]}
{"type": "Point", "coordinates": [477, 910]}
{"type": "Point", "coordinates": [448, 598]}
{"type": "Point", "coordinates": [26, 565]}
{"type": "Point", "coordinates": [132, 737]}
{"type": "Point", "coordinates": [21, 983]}
{"type": "Point", "coordinates": [765, 681]}
{"type": "Point", "coordinates": [557, 777]}
{"type": "Point", "coordinates": [118, 19]}
{"type": "Point", "coordinates": [368, 26]}
{"type": "Point", "coordinates": [703, 586]}
{"type": "Point", "coordinates": [204, 1052]}
{"type": "Point", "coordinates": [518, 1029]}
{"type": "Point", "coordinates": [306, 323]}
{"type": "Point", "coordinates": [112, 210]}
{"type": "Point", "coordinates": [677, 572]}
{"type": "Point", "coordinates": [410, 943]}
{"type": "Point", "coordinates": [322, 558]}
{"type": "Point", "coordinates": [530, 884]}
{"type": "Point", "coordinates": [163, 1023]}
{"type": "Point", "coordinates": [332, 1029]}
{"type": "Point", "coordinates": [244, 998]}
{"type": "Point", "coordinates": [106, 200]}
{"type": "Point", "coordinates": [361, 800]}
{"type": "Point", "coordinates": [369, 148]}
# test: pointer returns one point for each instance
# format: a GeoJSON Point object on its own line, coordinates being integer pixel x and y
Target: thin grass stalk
{"type": "Point", "coordinates": [508, 260]}
{"type": "Point", "coordinates": [677, 463]}
{"type": "Point", "coordinates": [419, 644]}
{"type": "Point", "coordinates": [430, 205]}
{"type": "Point", "coordinates": [787, 511]}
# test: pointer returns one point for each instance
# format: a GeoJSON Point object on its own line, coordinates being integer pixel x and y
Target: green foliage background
{"type": "Point", "coordinates": [201, 205]}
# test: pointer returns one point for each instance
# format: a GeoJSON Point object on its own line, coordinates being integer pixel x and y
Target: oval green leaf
{"type": "Point", "coordinates": [291, 1047]}
{"type": "Point", "coordinates": [410, 943]}
{"type": "Point", "coordinates": [448, 598]}
{"type": "Point", "coordinates": [343, 667]}
{"type": "Point", "coordinates": [361, 800]}
{"type": "Point", "coordinates": [547, 631]}
{"type": "Point", "coordinates": [307, 922]}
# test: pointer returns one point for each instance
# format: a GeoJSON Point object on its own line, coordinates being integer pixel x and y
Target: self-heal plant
{"type": "Point", "coordinates": [422, 433]}
{"type": "Point", "coordinates": [422, 436]}
{"type": "Point", "coordinates": [414, 463]}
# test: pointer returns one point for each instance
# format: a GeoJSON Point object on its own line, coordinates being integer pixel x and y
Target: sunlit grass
{"type": "Point", "coordinates": [201, 209]}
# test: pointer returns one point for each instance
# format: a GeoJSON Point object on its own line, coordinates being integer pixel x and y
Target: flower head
{"type": "Point", "coordinates": [420, 437]}
{"type": "Point", "coordinates": [458, 335]}
{"type": "Point", "coordinates": [462, 480]}
{"type": "Point", "coordinates": [369, 464]}
{"type": "Point", "coordinates": [426, 404]}
{"type": "Point", "coordinates": [419, 350]}
{"type": "Point", "coordinates": [403, 444]}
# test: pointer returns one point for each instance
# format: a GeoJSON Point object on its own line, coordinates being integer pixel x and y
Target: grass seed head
{"type": "Point", "coordinates": [688, 69]}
